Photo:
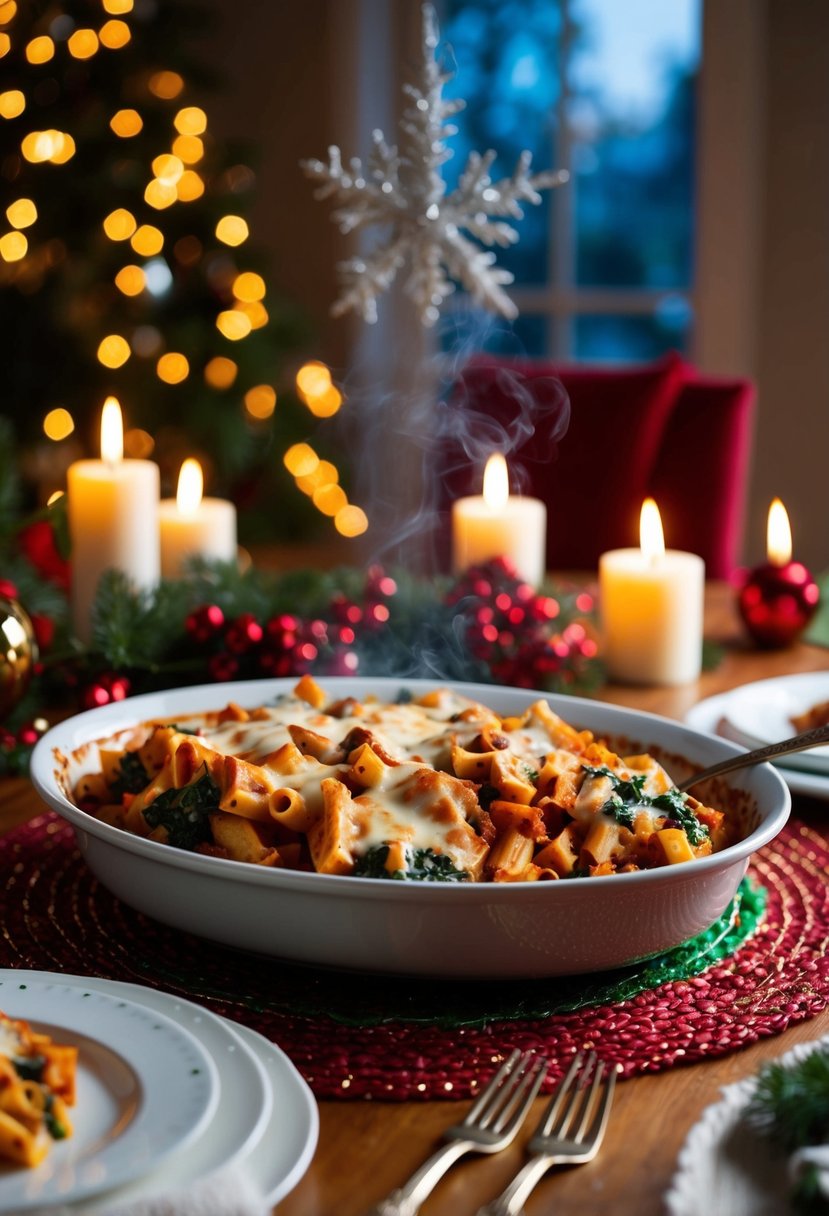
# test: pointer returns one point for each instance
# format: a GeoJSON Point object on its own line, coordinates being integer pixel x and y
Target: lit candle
{"type": "Point", "coordinates": [498, 524]}
{"type": "Point", "coordinates": [193, 526]}
{"type": "Point", "coordinates": [651, 602]}
{"type": "Point", "coordinates": [113, 505]}
{"type": "Point", "coordinates": [778, 599]}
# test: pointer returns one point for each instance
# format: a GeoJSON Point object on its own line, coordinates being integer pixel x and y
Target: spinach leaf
{"type": "Point", "coordinates": [132, 776]}
{"type": "Point", "coordinates": [422, 865]}
{"type": "Point", "coordinates": [629, 792]}
{"type": "Point", "coordinates": [184, 812]}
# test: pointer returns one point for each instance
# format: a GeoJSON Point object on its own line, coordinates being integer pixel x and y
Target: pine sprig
{"type": "Point", "coordinates": [791, 1102]}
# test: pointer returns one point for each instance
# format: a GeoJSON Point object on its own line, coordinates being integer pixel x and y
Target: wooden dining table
{"type": "Point", "coordinates": [367, 1148]}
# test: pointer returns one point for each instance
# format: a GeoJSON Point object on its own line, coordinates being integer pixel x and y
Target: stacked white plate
{"type": "Point", "coordinates": [762, 712]}
{"type": "Point", "coordinates": [168, 1095]}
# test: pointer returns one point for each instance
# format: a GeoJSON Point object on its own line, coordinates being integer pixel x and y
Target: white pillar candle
{"type": "Point", "coordinates": [651, 605]}
{"type": "Point", "coordinates": [192, 526]}
{"type": "Point", "coordinates": [498, 524]}
{"type": "Point", "coordinates": [113, 509]}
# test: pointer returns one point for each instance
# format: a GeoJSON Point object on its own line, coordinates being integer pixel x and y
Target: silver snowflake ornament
{"type": "Point", "coordinates": [438, 236]}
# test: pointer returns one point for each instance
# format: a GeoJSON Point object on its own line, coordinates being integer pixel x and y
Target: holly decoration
{"type": "Point", "coordinates": [218, 624]}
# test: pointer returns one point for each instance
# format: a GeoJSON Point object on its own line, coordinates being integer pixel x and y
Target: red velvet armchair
{"type": "Point", "coordinates": [592, 443]}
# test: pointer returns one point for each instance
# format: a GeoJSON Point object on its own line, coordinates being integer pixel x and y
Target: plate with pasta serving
{"type": "Point", "coordinates": [400, 826]}
{"type": "Point", "coordinates": [96, 1091]}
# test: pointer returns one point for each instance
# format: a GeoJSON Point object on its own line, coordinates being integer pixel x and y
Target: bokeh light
{"type": "Point", "coordinates": [120, 224]}
{"type": "Point", "coordinates": [147, 240]}
{"type": "Point", "coordinates": [13, 246]}
{"type": "Point", "coordinates": [351, 521]}
{"type": "Point", "coordinates": [40, 50]}
{"type": "Point", "coordinates": [58, 424]}
{"type": "Point", "coordinates": [22, 213]}
{"type": "Point", "coordinates": [188, 250]}
{"type": "Point", "coordinates": [330, 499]}
{"type": "Point", "coordinates": [325, 405]}
{"type": "Point", "coordinates": [220, 372]}
{"type": "Point", "coordinates": [12, 103]}
{"type": "Point", "coordinates": [138, 443]}
{"type": "Point", "coordinates": [167, 168]}
{"type": "Point", "coordinates": [82, 44]}
{"type": "Point", "coordinates": [188, 148]}
{"type": "Point", "coordinates": [159, 195]}
{"type": "Point", "coordinates": [260, 401]}
{"type": "Point", "coordinates": [312, 379]}
{"type": "Point", "coordinates": [126, 123]}
{"type": "Point", "coordinates": [190, 121]}
{"type": "Point", "coordinates": [114, 35]}
{"type": "Point", "coordinates": [256, 313]}
{"type": "Point", "coordinates": [172, 368]}
{"type": "Point", "coordinates": [166, 85]}
{"type": "Point", "coordinates": [249, 287]}
{"type": "Point", "coordinates": [233, 325]}
{"type": "Point", "coordinates": [232, 230]}
{"type": "Point", "coordinates": [114, 351]}
{"type": "Point", "coordinates": [117, 8]}
{"type": "Point", "coordinates": [130, 280]}
{"type": "Point", "coordinates": [189, 187]}
{"type": "Point", "coordinates": [40, 146]}
{"type": "Point", "coordinates": [300, 460]}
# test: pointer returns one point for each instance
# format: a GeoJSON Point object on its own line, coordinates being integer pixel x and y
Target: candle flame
{"type": "Point", "coordinates": [779, 535]}
{"type": "Point", "coordinates": [190, 487]}
{"type": "Point", "coordinates": [112, 432]}
{"type": "Point", "coordinates": [651, 536]}
{"type": "Point", "coordinates": [496, 482]}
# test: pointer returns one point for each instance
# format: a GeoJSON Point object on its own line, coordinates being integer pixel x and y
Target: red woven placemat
{"type": "Point", "coordinates": [56, 916]}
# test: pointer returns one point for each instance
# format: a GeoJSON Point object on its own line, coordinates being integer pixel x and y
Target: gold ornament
{"type": "Point", "coordinates": [18, 654]}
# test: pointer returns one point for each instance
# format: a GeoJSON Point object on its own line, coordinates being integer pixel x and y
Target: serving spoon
{"type": "Point", "coordinates": [799, 743]}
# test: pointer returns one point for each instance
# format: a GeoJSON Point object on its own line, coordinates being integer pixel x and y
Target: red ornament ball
{"type": "Point", "coordinates": [205, 623]}
{"type": "Point", "coordinates": [243, 633]}
{"type": "Point", "coordinates": [776, 603]}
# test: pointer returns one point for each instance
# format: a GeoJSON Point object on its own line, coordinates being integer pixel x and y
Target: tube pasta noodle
{"type": "Point", "coordinates": [37, 1084]}
{"type": "Point", "coordinates": [433, 788]}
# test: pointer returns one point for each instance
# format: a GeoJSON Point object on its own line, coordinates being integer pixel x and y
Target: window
{"type": "Point", "coordinates": [604, 267]}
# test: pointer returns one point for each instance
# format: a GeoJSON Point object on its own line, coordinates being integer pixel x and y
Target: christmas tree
{"type": "Point", "coordinates": [126, 269]}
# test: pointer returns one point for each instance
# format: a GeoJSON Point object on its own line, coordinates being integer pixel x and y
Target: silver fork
{"type": "Point", "coordinates": [490, 1126]}
{"type": "Point", "coordinates": [570, 1131]}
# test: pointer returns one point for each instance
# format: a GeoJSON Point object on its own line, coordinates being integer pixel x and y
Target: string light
{"type": "Point", "coordinates": [220, 372]}
{"type": "Point", "coordinates": [232, 230]}
{"type": "Point", "coordinates": [12, 103]}
{"type": "Point", "coordinates": [40, 50]}
{"type": "Point", "coordinates": [147, 240]}
{"type": "Point", "coordinates": [260, 401]}
{"type": "Point", "coordinates": [168, 169]}
{"type": "Point", "coordinates": [22, 213]}
{"type": "Point", "coordinates": [249, 287]}
{"type": "Point", "coordinates": [120, 224]}
{"type": "Point", "coordinates": [324, 474]}
{"type": "Point", "coordinates": [172, 368]}
{"type": "Point", "coordinates": [114, 351]}
{"type": "Point", "coordinates": [5, 45]}
{"type": "Point", "coordinates": [55, 146]}
{"type": "Point", "coordinates": [166, 85]}
{"type": "Point", "coordinates": [159, 196]}
{"type": "Point", "coordinates": [58, 424]}
{"type": "Point", "coordinates": [130, 280]}
{"type": "Point", "coordinates": [118, 7]}
{"type": "Point", "coordinates": [256, 313]}
{"type": "Point", "coordinates": [126, 123]}
{"type": "Point", "coordinates": [82, 44]}
{"type": "Point", "coordinates": [114, 35]}
{"type": "Point", "coordinates": [326, 404]}
{"type": "Point", "coordinates": [300, 460]}
{"type": "Point", "coordinates": [233, 325]}
{"type": "Point", "coordinates": [312, 379]}
{"type": "Point", "coordinates": [351, 521]}
{"type": "Point", "coordinates": [7, 12]}
{"type": "Point", "coordinates": [188, 148]}
{"type": "Point", "coordinates": [13, 246]}
{"type": "Point", "coordinates": [190, 121]}
{"type": "Point", "coordinates": [330, 499]}
{"type": "Point", "coordinates": [189, 186]}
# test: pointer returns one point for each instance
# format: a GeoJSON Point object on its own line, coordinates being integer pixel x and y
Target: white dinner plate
{"type": "Point", "coordinates": [725, 1165]}
{"type": "Point", "coordinates": [267, 1123]}
{"type": "Point", "coordinates": [711, 715]}
{"type": "Point", "coordinates": [146, 1088]}
{"type": "Point", "coordinates": [762, 713]}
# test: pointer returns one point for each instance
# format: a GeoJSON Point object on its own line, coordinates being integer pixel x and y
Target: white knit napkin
{"type": "Point", "coordinates": [817, 1156]}
{"type": "Point", "coordinates": [228, 1193]}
